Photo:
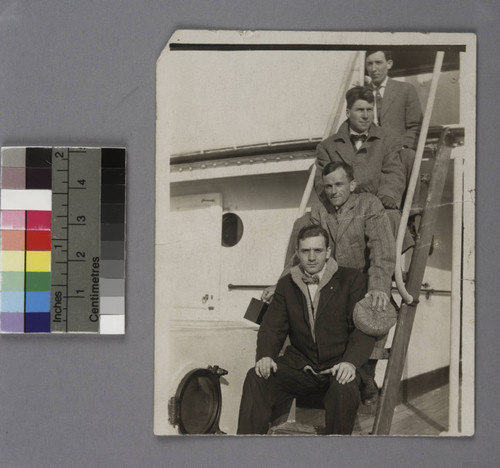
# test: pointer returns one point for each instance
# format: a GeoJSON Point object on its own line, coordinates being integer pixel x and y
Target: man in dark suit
{"type": "Point", "coordinates": [397, 107]}
{"type": "Point", "coordinates": [372, 152]}
{"type": "Point", "coordinates": [359, 230]}
{"type": "Point", "coordinates": [313, 305]}
{"type": "Point", "coordinates": [361, 238]}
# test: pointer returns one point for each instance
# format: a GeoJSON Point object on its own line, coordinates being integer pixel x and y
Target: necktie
{"type": "Point", "coordinates": [314, 279]}
{"type": "Point", "coordinates": [378, 99]}
{"type": "Point", "coordinates": [355, 138]}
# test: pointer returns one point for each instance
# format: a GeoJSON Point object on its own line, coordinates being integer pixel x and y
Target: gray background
{"type": "Point", "coordinates": [83, 73]}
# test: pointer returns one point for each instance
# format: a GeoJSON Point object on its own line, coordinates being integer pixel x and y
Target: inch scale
{"type": "Point", "coordinates": [75, 226]}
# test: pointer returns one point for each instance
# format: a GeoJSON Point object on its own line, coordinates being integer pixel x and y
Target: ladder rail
{"type": "Point", "coordinates": [407, 297]}
{"type": "Point", "coordinates": [399, 348]}
{"type": "Point", "coordinates": [332, 125]}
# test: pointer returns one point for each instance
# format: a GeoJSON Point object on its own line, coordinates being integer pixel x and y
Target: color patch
{"type": "Point", "coordinates": [112, 213]}
{"type": "Point", "coordinates": [113, 305]}
{"type": "Point", "coordinates": [112, 287]}
{"type": "Point", "coordinates": [113, 157]}
{"type": "Point", "coordinates": [12, 260]}
{"type": "Point", "coordinates": [112, 324]}
{"type": "Point", "coordinates": [14, 157]}
{"type": "Point", "coordinates": [38, 301]}
{"type": "Point", "coordinates": [38, 240]}
{"type": "Point", "coordinates": [39, 178]}
{"type": "Point", "coordinates": [13, 178]}
{"type": "Point", "coordinates": [13, 240]}
{"type": "Point", "coordinates": [112, 268]}
{"type": "Point", "coordinates": [40, 200]}
{"type": "Point", "coordinates": [38, 157]}
{"type": "Point", "coordinates": [12, 322]}
{"type": "Point", "coordinates": [12, 280]}
{"type": "Point", "coordinates": [112, 232]}
{"type": "Point", "coordinates": [37, 261]}
{"type": "Point", "coordinates": [112, 175]}
{"type": "Point", "coordinates": [13, 219]}
{"type": "Point", "coordinates": [12, 301]}
{"type": "Point", "coordinates": [37, 322]}
{"type": "Point", "coordinates": [38, 220]}
{"type": "Point", "coordinates": [37, 281]}
{"type": "Point", "coordinates": [113, 193]}
{"type": "Point", "coordinates": [112, 250]}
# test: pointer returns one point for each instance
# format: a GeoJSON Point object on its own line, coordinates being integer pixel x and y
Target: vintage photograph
{"type": "Point", "coordinates": [315, 202]}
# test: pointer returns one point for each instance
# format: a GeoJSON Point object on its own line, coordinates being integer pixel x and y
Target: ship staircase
{"type": "Point", "coordinates": [435, 144]}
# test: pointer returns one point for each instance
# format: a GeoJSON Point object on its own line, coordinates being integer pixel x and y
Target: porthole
{"type": "Point", "coordinates": [197, 405]}
{"type": "Point", "coordinates": [232, 229]}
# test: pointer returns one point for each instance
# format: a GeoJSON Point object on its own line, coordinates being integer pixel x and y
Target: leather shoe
{"type": "Point", "coordinates": [369, 393]}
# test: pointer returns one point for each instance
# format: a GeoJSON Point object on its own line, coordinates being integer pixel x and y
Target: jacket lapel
{"type": "Point", "coordinates": [327, 286]}
{"type": "Point", "coordinates": [302, 295]}
{"type": "Point", "coordinates": [344, 146]}
{"type": "Point", "coordinates": [327, 292]}
{"type": "Point", "coordinates": [345, 151]}
{"type": "Point", "coordinates": [346, 215]}
{"type": "Point", "coordinates": [388, 97]}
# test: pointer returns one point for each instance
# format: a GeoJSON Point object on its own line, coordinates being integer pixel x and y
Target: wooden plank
{"type": "Point", "coordinates": [399, 348]}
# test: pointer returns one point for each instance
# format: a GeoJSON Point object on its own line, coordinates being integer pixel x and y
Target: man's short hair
{"type": "Point", "coordinates": [313, 231]}
{"type": "Point", "coordinates": [333, 166]}
{"type": "Point", "coordinates": [358, 92]}
{"type": "Point", "coordinates": [387, 53]}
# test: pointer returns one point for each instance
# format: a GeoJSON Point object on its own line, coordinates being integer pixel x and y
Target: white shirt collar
{"type": "Point", "coordinates": [382, 86]}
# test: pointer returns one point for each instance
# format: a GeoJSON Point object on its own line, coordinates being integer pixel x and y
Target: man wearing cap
{"type": "Point", "coordinates": [313, 305]}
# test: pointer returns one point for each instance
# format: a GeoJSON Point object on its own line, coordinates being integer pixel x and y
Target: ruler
{"type": "Point", "coordinates": [75, 239]}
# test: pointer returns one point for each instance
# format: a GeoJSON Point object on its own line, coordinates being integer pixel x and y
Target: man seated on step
{"type": "Point", "coordinates": [313, 305]}
{"type": "Point", "coordinates": [361, 238]}
{"type": "Point", "coordinates": [371, 151]}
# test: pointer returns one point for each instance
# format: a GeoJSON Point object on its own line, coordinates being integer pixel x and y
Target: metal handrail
{"type": "Point", "coordinates": [331, 127]}
{"type": "Point", "coordinates": [398, 273]}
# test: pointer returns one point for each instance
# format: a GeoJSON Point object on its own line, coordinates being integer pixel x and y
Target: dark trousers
{"type": "Point", "coordinates": [264, 400]}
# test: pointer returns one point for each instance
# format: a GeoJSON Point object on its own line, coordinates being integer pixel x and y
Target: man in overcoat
{"type": "Point", "coordinates": [313, 306]}
{"type": "Point", "coordinates": [372, 152]}
{"type": "Point", "coordinates": [361, 238]}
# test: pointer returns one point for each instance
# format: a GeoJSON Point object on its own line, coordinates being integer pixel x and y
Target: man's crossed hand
{"type": "Point", "coordinates": [344, 372]}
{"type": "Point", "coordinates": [265, 366]}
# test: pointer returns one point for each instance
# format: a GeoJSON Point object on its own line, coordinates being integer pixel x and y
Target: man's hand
{"type": "Point", "coordinates": [345, 372]}
{"type": "Point", "coordinates": [268, 293]}
{"type": "Point", "coordinates": [379, 299]}
{"type": "Point", "coordinates": [388, 202]}
{"type": "Point", "coordinates": [265, 366]}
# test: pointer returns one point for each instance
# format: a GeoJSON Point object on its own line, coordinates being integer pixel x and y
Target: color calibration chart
{"type": "Point", "coordinates": [62, 257]}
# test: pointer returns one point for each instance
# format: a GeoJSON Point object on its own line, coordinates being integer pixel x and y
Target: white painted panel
{"type": "Point", "coordinates": [192, 256]}
{"type": "Point", "coordinates": [257, 259]}
{"type": "Point", "coordinates": [192, 345]}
